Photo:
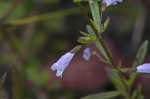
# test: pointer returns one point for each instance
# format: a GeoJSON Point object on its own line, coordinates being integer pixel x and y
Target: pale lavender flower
{"type": "Point", "coordinates": [144, 68]}
{"type": "Point", "coordinates": [62, 63]}
{"type": "Point", "coordinates": [111, 2]}
{"type": "Point", "coordinates": [86, 54]}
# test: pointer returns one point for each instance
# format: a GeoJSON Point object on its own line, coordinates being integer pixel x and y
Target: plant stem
{"type": "Point", "coordinates": [97, 34]}
{"type": "Point", "coordinates": [126, 93]}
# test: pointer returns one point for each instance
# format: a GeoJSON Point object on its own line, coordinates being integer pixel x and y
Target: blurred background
{"type": "Point", "coordinates": [35, 33]}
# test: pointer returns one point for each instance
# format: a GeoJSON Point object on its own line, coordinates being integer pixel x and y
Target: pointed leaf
{"type": "Point", "coordinates": [106, 23]}
{"type": "Point", "coordinates": [103, 95]}
{"type": "Point", "coordinates": [83, 33]}
{"type": "Point", "coordinates": [94, 7]}
{"type": "Point", "coordinates": [118, 80]}
{"type": "Point", "coordinates": [138, 60]}
{"type": "Point", "coordinates": [84, 40]}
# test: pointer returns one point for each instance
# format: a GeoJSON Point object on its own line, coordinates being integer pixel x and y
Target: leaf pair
{"type": "Point", "coordinates": [86, 38]}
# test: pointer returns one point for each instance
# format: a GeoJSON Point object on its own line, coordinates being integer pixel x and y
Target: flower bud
{"type": "Point", "coordinates": [86, 54]}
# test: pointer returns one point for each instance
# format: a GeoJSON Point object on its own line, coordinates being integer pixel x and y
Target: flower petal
{"type": "Point", "coordinates": [62, 63]}
{"type": "Point", "coordinates": [111, 2]}
{"type": "Point", "coordinates": [59, 73]}
{"type": "Point", "coordinates": [54, 67]}
{"type": "Point", "coordinates": [144, 68]}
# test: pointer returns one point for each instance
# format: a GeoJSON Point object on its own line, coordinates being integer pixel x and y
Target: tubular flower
{"type": "Point", "coordinates": [110, 2]}
{"type": "Point", "coordinates": [62, 63]}
{"type": "Point", "coordinates": [86, 54]}
{"type": "Point", "coordinates": [144, 68]}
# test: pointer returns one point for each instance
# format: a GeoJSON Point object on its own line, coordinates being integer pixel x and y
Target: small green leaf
{"type": "Point", "coordinates": [89, 29]}
{"type": "Point", "coordinates": [104, 61]}
{"type": "Point", "coordinates": [131, 78]}
{"type": "Point", "coordinates": [94, 7]}
{"type": "Point", "coordinates": [137, 93]}
{"type": "Point", "coordinates": [88, 38]}
{"type": "Point", "coordinates": [83, 33]}
{"type": "Point", "coordinates": [92, 36]}
{"type": "Point", "coordinates": [76, 49]}
{"type": "Point", "coordinates": [139, 59]}
{"type": "Point", "coordinates": [118, 80]}
{"type": "Point", "coordinates": [106, 23]}
{"type": "Point", "coordinates": [103, 95]}
{"type": "Point", "coordinates": [101, 49]}
{"type": "Point", "coordinates": [85, 40]}
{"type": "Point", "coordinates": [94, 24]}
{"type": "Point", "coordinates": [140, 96]}
{"type": "Point", "coordinates": [134, 95]}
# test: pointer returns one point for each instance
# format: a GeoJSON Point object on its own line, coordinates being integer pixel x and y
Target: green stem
{"type": "Point", "coordinates": [122, 78]}
{"type": "Point", "coordinates": [97, 34]}
{"type": "Point", "coordinates": [109, 55]}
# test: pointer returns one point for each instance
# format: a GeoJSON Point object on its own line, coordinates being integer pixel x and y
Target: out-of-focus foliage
{"type": "Point", "coordinates": [29, 31]}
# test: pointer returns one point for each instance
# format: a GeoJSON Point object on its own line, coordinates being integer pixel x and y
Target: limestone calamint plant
{"type": "Point", "coordinates": [95, 28]}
